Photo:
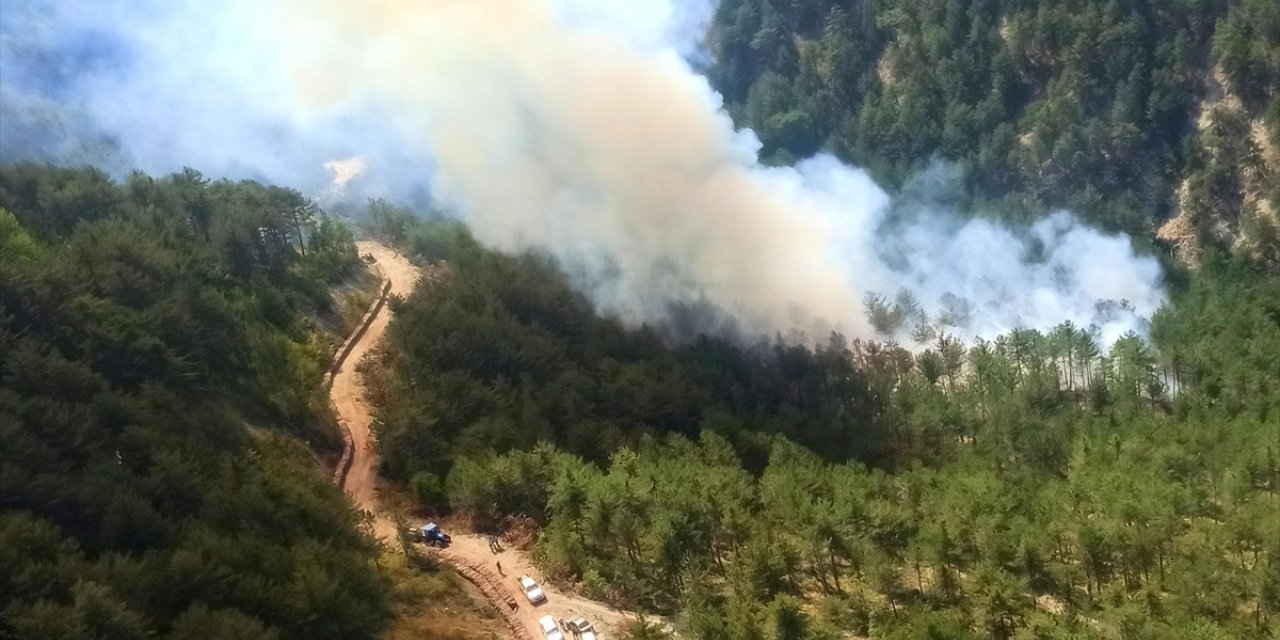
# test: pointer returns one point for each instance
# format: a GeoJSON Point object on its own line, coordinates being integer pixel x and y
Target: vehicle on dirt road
{"type": "Point", "coordinates": [550, 629]}
{"type": "Point", "coordinates": [582, 630]}
{"type": "Point", "coordinates": [531, 590]}
{"type": "Point", "coordinates": [432, 535]}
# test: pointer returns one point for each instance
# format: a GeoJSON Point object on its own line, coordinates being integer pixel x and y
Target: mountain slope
{"type": "Point", "coordinates": [1102, 107]}
{"type": "Point", "coordinates": [141, 326]}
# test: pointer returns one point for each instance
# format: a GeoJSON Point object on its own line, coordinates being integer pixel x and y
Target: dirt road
{"type": "Point", "coordinates": [475, 548]}
{"type": "Point", "coordinates": [362, 482]}
{"type": "Point", "coordinates": [347, 393]}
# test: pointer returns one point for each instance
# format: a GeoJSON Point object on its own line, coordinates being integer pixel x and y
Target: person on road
{"type": "Point", "coordinates": [500, 569]}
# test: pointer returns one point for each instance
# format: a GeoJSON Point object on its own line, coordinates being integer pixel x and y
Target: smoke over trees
{"type": "Point", "coordinates": [579, 130]}
{"type": "Point", "coordinates": [1038, 484]}
{"type": "Point", "coordinates": [954, 425]}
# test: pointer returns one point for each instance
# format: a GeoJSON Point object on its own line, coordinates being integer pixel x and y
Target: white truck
{"type": "Point", "coordinates": [531, 590]}
{"type": "Point", "coordinates": [550, 630]}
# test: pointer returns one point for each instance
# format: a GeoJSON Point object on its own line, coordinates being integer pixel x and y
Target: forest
{"type": "Point", "coordinates": [162, 342]}
{"type": "Point", "coordinates": [166, 436]}
{"type": "Point", "coordinates": [1038, 485]}
{"type": "Point", "coordinates": [1127, 112]}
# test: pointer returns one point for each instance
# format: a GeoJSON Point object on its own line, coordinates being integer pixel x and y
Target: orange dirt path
{"type": "Point", "coordinates": [347, 393]}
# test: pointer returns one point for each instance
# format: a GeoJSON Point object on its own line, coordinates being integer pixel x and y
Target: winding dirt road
{"type": "Point", "coordinates": [361, 482]}
{"type": "Point", "coordinates": [347, 393]}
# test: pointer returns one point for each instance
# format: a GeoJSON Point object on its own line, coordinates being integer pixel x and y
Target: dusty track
{"type": "Point", "coordinates": [469, 554]}
{"type": "Point", "coordinates": [347, 392]}
{"type": "Point", "coordinates": [474, 549]}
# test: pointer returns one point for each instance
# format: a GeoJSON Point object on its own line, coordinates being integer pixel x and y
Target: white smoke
{"type": "Point", "coordinates": [574, 127]}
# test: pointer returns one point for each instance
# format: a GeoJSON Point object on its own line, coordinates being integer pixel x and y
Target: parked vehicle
{"type": "Point", "coordinates": [582, 630]}
{"type": "Point", "coordinates": [432, 535]}
{"type": "Point", "coordinates": [550, 629]}
{"type": "Point", "coordinates": [531, 590]}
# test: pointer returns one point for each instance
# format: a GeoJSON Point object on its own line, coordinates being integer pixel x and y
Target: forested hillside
{"type": "Point", "coordinates": [161, 349]}
{"type": "Point", "coordinates": [1040, 485]}
{"type": "Point", "coordinates": [1129, 112]}
{"type": "Point", "coordinates": [163, 428]}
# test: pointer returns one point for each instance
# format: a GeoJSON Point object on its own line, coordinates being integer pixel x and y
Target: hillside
{"type": "Point", "coordinates": [1039, 485]}
{"type": "Point", "coordinates": [161, 348]}
{"type": "Point", "coordinates": [1138, 115]}
{"type": "Point", "coordinates": [735, 320]}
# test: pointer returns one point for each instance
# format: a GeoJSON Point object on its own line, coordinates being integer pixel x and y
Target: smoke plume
{"type": "Point", "coordinates": [574, 127]}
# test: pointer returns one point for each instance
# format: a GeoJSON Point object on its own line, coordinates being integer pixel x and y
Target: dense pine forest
{"type": "Point", "coordinates": [162, 342]}
{"type": "Point", "coordinates": [1040, 485]}
{"type": "Point", "coordinates": [1128, 112]}
{"type": "Point", "coordinates": [165, 438]}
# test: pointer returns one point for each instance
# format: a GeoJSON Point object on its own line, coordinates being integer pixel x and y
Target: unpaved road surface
{"type": "Point", "coordinates": [347, 393]}
{"type": "Point", "coordinates": [348, 396]}
{"type": "Point", "coordinates": [475, 548]}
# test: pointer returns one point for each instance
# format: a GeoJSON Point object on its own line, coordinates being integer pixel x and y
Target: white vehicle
{"type": "Point", "coordinates": [531, 590]}
{"type": "Point", "coordinates": [550, 629]}
{"type": "Point", "coordinates": [582, 629]}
